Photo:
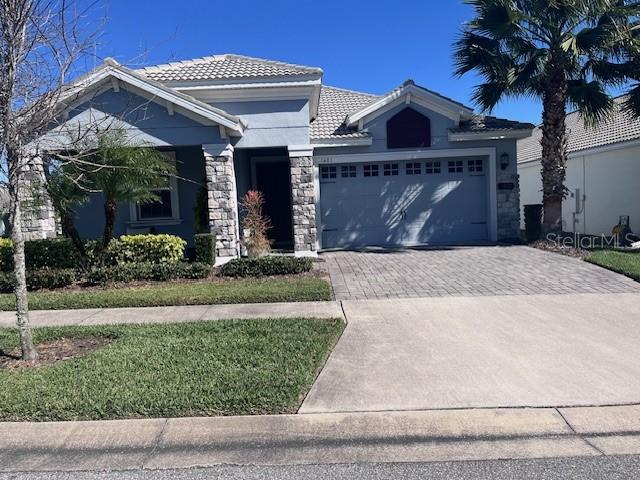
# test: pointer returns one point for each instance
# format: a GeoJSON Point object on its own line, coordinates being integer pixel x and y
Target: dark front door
{"type": "Point", "coordinates": [273, 180]}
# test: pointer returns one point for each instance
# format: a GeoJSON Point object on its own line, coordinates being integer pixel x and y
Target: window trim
{"type": "Point", "coordinates": [373, 167]}
{"type": "Point", "coordinates": [434, 165]}
{"type": "Point", "coordinates": [329, 172]}
{"type": "Point", "coordinates": [455, 162]}
{"type": "Point", "coordinates": [174, 219]}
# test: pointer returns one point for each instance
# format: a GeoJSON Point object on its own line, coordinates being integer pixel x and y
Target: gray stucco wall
{"type": "Point", "coordinates": [190, 167]}
{"type": "Point", "coordinates": [271, 123]}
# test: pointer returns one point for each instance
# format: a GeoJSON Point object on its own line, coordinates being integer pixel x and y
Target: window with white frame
{"type": "Point", "coordinates": [413, 168]}
{"type": "Point", "coordinates": [371, 170]}
{"type": "Point", "coordinates": [348, 171]}
{"type": "Point", "coordinates": [475, 166]}
{"type": "Point", "coordinates": [164, 207]}
{"type": "Point", "coordinates": [328, 172]}
{"type": "Point", "coordinates": [432, 168]}
{"type": "Point", "coordinates": [390, 169]}
{"type": "Point", "coordinates": [456, 166]}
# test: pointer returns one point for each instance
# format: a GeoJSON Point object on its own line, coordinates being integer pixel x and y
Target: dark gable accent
{"type": "Point", "coordinates": [408, 129]}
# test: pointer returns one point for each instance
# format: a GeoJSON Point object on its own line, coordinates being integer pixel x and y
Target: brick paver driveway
{"type": "Point", "coordinates": [466, 271]}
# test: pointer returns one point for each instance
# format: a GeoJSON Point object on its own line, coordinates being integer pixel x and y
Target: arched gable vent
{"type": "Point", "coordinates": [408, 129]}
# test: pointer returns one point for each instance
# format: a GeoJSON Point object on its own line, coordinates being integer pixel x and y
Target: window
{"type": "Point", "coordinates": [476, 166]}
{"type": "Point", "coordinates": [327, 172]}
{"type": "Point", "coordinates": [414, 168]}
{"type": "Point", "coordinates": [165, 208]}
{"type": "Point", "coordinates": [161, 208]}
{"type": "Point", "coordinates": [371, 170]}
{"type": "Point", "coordinates": [390, 169]}
{"type": "Point", "coordinates": [348, 171]}
{"type": "Point", "coordinates": [408, 129]}
{"type": "Point", "coordinates": [432, 168]}
{"type": "Point", "coordinates": [456, 166]}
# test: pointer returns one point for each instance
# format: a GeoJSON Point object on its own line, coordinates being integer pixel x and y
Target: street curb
{"type": "Point", "coordinates": [423, 436]}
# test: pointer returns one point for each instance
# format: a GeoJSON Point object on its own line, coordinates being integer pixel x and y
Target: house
{"type": "Point", "coordinates": [603, 171]}
{"type": "Point", "coordinates": [338, 168]}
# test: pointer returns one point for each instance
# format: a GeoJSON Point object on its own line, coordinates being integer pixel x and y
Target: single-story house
{"type": "Point", "coordinates": [603, 173]}
{"type": "Point", "coordinates": [338, 168]}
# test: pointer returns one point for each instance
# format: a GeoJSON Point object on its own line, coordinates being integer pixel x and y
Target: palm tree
{"type": "Point", "coordinates": [125, 172]}
{"type": "Point", "coordinates": [564, 52]}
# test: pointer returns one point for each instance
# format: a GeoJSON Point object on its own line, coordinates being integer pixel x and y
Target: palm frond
{"type": "Point", "coordinates": [591, 100]}
{"type": "Point", "coordinates": [632, 103]}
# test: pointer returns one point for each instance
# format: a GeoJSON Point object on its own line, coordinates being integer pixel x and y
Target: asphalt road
{"type": "Point", "coordinates": [609, 468]}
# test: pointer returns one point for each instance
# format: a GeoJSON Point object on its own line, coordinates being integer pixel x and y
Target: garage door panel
{"type": "Point", "coordinates": [404, 209]}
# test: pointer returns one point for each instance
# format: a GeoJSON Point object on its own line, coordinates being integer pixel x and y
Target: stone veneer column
{"type": "Point", "coordinates": [303, 200]}
{"type": "Point", "coordinates": [38, 214]}
{"type": "Point", "coordinates": [508, 207]}
{"type": "Point", "coordinates": [222, 199]}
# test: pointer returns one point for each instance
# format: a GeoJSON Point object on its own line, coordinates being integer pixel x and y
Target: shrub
{"type": "Point", "coordinates": [50, 278]}
{"type": "Point", "coordinates": [51, 253]}
{"type": "Point", "coordinates": [255, 224]}
{"type": "Point", "coordinates": [266, 266]}
{"type": "Point", "coordinates": [6, 254]}
{"type": "Point", "coordinates": [533, 222]}
{"type": "Point", "coordinates": [7, 282]}
{"type": "Point", "coordinates": [38, 279]}
{"type": "Point", "coordinates": [205, 248]}
{"type": "Point", "coordinates": [146, 271]}
{"type": "Point", "coordinates": [156, 249]}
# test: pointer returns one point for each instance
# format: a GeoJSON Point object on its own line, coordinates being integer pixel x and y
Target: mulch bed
{"type": "Point", "coordinates": [568, 250]}
{"type": "Point", "coordinates": [54, 352]}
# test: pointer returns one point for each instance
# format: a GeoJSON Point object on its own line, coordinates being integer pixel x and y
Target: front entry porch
{"type": "Point", "coordinates": [286, 178]}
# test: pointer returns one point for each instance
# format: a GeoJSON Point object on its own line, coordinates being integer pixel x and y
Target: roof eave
{"type": "Point", "coordinates": [516, 134]}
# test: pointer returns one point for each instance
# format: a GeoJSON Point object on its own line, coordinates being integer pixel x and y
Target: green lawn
{"type": "Point", "coordinates": [627, 263]}
{"type": "Point", "coordinates": [186, 293]}
{"type": "Point", "coordinates": [197, 369]}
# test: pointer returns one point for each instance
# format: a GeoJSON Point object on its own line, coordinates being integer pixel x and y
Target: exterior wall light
{"type": "Point", "coordinates": [504, 161]}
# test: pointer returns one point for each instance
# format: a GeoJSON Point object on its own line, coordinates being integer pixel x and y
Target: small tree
{"type": "Point", "coordinates": [125, 172]}
{"type": "Point", "coordinates": [41, 43]}
{"type": "Point", "coordinates": [255, 224]}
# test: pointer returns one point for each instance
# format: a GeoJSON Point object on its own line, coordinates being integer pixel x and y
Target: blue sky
{"type": "Point", "coordinates": [371, 46]}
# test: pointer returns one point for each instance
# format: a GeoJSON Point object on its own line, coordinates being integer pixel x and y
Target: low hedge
{"type": "Point", "coordinates": [50, 253]}
{"type": "Point", "coordinates": [40, 279]}
{"type": "Point", "coordinates": [205, 244]}
{"type": "Point", "coordinates": [266, 266]}
{"type": "Point", "coordinates": [156, 249]}
{"type": "Point", "coordinates": [146, 271]}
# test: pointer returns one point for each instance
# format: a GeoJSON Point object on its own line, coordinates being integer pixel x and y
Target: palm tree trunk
{"type": "Point", "coordinates": [554, 151]}
{"type": "Point", "coordinates": [110, 212]}
{"type": "Point", "coordinates": [69, 228]}
{"type": "Point", "coordinates": [29, 352]}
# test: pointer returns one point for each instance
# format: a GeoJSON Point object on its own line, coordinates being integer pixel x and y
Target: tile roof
{"type": "Point", "coordinates": [619, 128]}
{"type": "Point", "coordinates": [335, 105]}
{"type": "Point", "coordinates": [482, 123]}
{"type": "Point", "coordinates": [225, 66]}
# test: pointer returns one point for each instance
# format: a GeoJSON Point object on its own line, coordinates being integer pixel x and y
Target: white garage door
{"type": "Point", "coordinates": [405, 203]}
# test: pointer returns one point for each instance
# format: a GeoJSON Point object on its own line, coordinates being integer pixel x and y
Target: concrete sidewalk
{"type": "Point", "coordinates": [42, 318]}
{"type": "Point", "coordinates": [444, 435]}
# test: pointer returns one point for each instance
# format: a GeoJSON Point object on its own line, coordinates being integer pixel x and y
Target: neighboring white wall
{"type": "Point", "coordinates": [608, 180]}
